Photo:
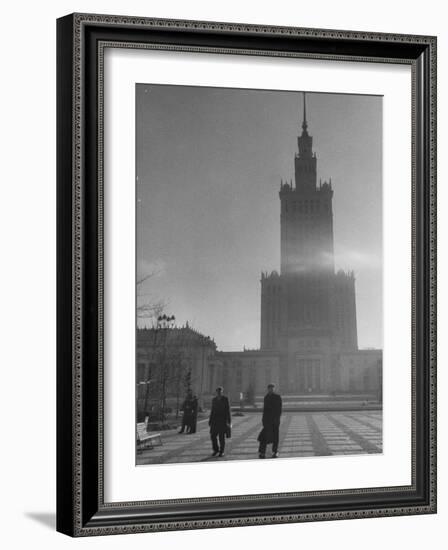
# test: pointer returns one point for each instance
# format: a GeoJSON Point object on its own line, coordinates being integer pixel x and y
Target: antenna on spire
{"type": "Point", "coordinates": [304, 123]}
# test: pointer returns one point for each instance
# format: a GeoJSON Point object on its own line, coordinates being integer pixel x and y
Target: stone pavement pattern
{"type": "Point", "coordinates": [301, 434]}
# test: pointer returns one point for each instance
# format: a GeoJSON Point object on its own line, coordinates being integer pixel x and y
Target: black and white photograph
{"type": "Point", "coordinates": [227, 220]}
{"type": "Point", "coordinates": [259, 303]}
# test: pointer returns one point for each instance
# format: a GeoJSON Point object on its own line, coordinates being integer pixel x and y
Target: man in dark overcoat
{"type": "Point", "coordinates": [219, 421]}
{"type": "Point", "coordinates": [272, 411]}
{"type": "Point", "coordinates": [194, 415]}
{"type": "Point", "coordinates": [187, 409]}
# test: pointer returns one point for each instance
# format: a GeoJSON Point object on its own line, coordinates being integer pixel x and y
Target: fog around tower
{"type": "Point", "coordinates": [209, 166]}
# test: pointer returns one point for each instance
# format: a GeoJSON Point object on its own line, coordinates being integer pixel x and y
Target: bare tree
{"type": "Point", "coordinates": [171, 354]}
{"type": "Point", "coordinates": [147, 307]}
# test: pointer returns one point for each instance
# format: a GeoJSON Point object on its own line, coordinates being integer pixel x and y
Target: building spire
{"type": "Point", "coordinates": [305, 161]}
{"type": "Point", "coordinates": [304, 123]}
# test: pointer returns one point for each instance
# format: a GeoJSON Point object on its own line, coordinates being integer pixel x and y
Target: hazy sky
{"type": "Point", "coordinates": [209, 164]}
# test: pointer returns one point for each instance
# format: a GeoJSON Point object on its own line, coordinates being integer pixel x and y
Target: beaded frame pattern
{"type": "Point", "coordinates": [84, 19]}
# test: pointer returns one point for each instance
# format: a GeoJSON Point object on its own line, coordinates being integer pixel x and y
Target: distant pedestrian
{"type": "Point", "coordinates": [219, 422]}
{"type": "Point", "coordinates": [187, 412]}
{"type": "Point", "coordinates": [194, 415]}
{"type": "Point", "coordinates": [272, 411]}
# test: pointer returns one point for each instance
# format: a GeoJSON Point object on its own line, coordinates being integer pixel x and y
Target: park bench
{"type": "Point", "coordinates": [145, 439]}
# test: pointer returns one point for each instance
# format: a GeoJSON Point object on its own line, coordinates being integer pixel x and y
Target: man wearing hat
{"type": "Point", "coordinates": [188, 412]}
{"type": "Point", "coordinates": [219, 421]}
{"type": "Point", "coordinates": [272, 410]}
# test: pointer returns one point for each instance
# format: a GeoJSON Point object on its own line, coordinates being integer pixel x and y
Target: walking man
{"type": "Point", "coordinates": [187, 408]}
{"type": "Point", "coordinates": [194, 415]}
{"type": "Point", "coordinates": [219, 421]}
{"type": "Point", "coordinates": [272, 410]}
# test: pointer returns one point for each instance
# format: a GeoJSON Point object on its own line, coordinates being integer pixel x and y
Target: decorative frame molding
{"type": "Point", "coordinates": [81, 40]}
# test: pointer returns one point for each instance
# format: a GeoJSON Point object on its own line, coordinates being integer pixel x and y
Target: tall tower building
{"type": "Point", "coordinates": [308, 312]}
{"type": "Point", "coordinates": [306, 216]}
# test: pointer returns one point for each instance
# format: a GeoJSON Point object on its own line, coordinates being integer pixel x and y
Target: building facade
{"type": "Point", "coordinates": [308, 312]}
{"type": "Point", "coordinates": [170, 361]}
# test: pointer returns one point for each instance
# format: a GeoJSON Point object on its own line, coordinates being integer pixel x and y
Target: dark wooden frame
{"type": "Point", "coordinates": [81, 39]}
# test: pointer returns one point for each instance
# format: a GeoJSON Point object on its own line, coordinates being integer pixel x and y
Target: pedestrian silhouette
{"type": "Point", "coordinates": [219, 422]}
{"type": "Point", "coordinates": [272, 411]}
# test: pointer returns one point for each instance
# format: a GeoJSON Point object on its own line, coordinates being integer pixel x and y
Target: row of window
{"type": "Point", "coordinates": [239, 378]}
{"type": "Point", "coordinates": [308, 344]}
{"type": "Point", "coordinates": [308, 375]}
{"type": "Point", "coordinates": [274, 289]}
{"type": "Point", "coordinates": [306, 206]}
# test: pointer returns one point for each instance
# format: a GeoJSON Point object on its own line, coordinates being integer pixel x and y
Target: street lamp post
{"type": "Point", "coordinates": [164, 322]}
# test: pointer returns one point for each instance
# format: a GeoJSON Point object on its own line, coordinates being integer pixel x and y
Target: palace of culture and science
{"type": "Point", "coordinates": [308, 332]}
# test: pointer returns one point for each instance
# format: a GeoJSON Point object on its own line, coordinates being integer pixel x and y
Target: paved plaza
{"type": "Point", "coordinates": [301, 434]}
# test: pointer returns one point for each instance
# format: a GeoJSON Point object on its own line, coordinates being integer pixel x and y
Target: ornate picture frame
{"type": "Point", "coordinates": [81, 43]}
